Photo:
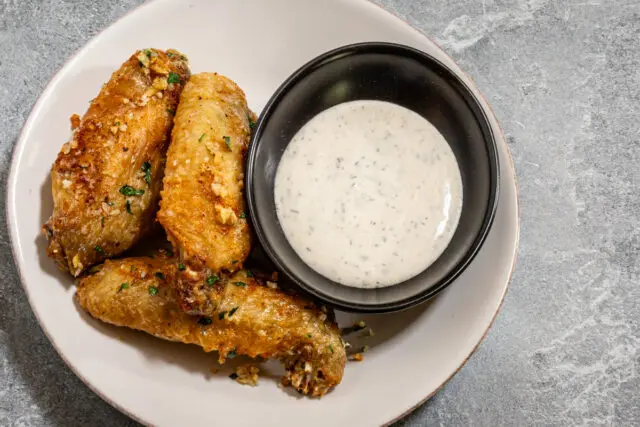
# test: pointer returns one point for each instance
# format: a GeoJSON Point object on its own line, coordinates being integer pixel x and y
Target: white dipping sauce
{"type": "Point", "coordinates": [368, 193]}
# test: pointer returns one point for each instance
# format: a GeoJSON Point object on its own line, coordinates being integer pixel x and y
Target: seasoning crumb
{"type": "Point", "coordinates": [75, 121]}
{"type": "Point", "coordinates": [248, 374]}
{"type": "Point", "coordinates": [358, 357]}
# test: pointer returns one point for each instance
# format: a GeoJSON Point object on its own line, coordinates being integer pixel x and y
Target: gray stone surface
{"type": "Point", "coordinates": [564, 80]}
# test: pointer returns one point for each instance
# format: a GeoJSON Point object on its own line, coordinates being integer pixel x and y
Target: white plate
{"type": "Point", "coordinates": [258, 44]}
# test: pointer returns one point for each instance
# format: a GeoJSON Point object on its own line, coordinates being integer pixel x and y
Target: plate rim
{"type": "Point", "coordinates": [18, 151]}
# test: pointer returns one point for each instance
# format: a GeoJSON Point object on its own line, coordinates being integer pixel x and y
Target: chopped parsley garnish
{"type": "Point", "coordinates": [227, 141]}
{"type": "Point", "coordinates": [170, 54]}
{"type": "Point", "coordinates": [232, 354]}
{"type": "Point", "coordinates": [221, 315]}
{"type": "Point", "coordinates": [331, 348]}
{"type": "Point", "coordinates": [153, 290]}
{"type": "Point", "coordinates": [99, 250]}
{"type": "Point", "coordinates": [128, 190]}
{"type": "Point", "coordinates": [235, 261]}
{"type": "Point", "coordinates": [202, 137]}
{"type": "Point", "coordinates": [146, 168]}
{"type": "Point", "coordinates": [239, 283]}
{"type": "Point", "coordinates": [233, 310]}
{"type": "Point", "coordinates": [159, 275]}
{"type": "Point", "coordinates": [252, 124]}
{"type": "Point", "coordinates": [249, 273]}
{"type": "Point", "coordinates": [171, 111]}
{"type": "Point", "coordinates": [173, 78]}
{"type": "Point", "coordinates": [211, 280]}
{"type": "Point", "coordinates": [233, 376]}
{"type": "Point", "coordinates": [243, 215]}
{"type": "Point", "coordinates": [308, 335]}
{"type": "Point", "coordinates": [169, 252]}
{"type": "Point", "coordinates": [147, 52]}
{"type": "Point", "coordinates": [133, 268]}
{"type": "Point", "coordinates": [205, 321]}
{"type": "Point", "coordinates": [123, 286]}
{"type": "Point", "coordinates": [128, 206]}
{"type": "Point", "coordinates": [181, 267]}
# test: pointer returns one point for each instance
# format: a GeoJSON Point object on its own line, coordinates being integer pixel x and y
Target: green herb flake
{"type": "Point", "coordinates": [249, 273]}
{"type": "Point", "coordinates": [243, 215]}
{"type": "Point", "coordinates": [235, 261]}
{"type": "Point", "coordinates": [233, 310]}
{"type": "Point", "coordinates": [123, 287]}
{"type": "Point", "coordinates": [169, 252]}
{"type": "Point", "coordinates": [211, 280]}
{"type": "Point", "coordinates": [170, 54]}
{"type": "Point", "coordinates": [227, 141]}
{"type": "Point", "coordinates": [153, 290]}
{"type": "Point", "coordinates": [233, 376]}
{"type": "Point", "coordinates": [147, 52]}
{"type": "Point", "coordinates": [231, 354]}
{"type": "Point", "coordinates": [205, 321]}
{"type": "Point", "coordinates": [99, 250]}
{"type": "Point", "coordinates": [309, 336]}
{"type": "Point", "coordinates": [202, 137]}
{"type": "Point", "coordinates": [181, 267]}
{"type": "Point", "coordinates": [133, 268]}
{"type": "Point", "coordinates": [128, 191]}
{"type": "Point", "coordinates": [331, 348]}
{"type": "Point", "coordinates": [173, 78]}
{"type": "Point", "coordinates": [128, 206]}
{"type": "Point", "coordinates": [221, 315]}
{"type": "Point", "coordinates": [252, 124]}
{"type": "Point", "coordinates": [240, 284]}
{"type": "Point", "coordinates": [159, 275]}
{"type": "Point", "coordinates": [146, 168]}
{"type": "Point", "coordinates": [171, 111]}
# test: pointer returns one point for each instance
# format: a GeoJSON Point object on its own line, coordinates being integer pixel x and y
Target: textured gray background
{"type": "Point", "coordinates": [564, 80]}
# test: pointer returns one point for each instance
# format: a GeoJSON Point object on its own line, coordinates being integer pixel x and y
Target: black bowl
{"type": "Point", "coordinates": [386, 72]}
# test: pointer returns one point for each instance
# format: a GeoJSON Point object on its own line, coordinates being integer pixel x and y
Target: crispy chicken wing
{"type": "Point", "coordinates": [202, 206]}
{"type": "Point", "coordinates": [107, 179]}
{"type": "Point", "coordinates": [247, 318]}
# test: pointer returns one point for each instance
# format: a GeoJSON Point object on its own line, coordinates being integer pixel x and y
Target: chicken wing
{"type": "Point", "coordinates": [106, 181]}
{"type": "Point", "coordinates": [202, 206]}
{"type": "Point", "coordinates": [249, 319]}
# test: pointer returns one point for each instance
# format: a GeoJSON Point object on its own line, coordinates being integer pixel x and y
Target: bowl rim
{"type": "Point", "coordinates": [490, 144]}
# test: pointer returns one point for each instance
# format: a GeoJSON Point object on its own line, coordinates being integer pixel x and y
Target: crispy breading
{"type": "Point", "coordinates": [106, 180]}
{"type": "Point", "coordinates": [248, 319]}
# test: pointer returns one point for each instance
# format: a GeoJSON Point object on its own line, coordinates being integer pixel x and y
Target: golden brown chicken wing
{"type": "Point", "coordinates": [107, 179]}
{"type": "Point", "coordinates": [202, 206]}
{"type": "Point", "coordinates": [248, 319]}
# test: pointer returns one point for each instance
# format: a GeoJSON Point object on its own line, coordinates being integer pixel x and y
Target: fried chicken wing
{"type": "Point", "coordinates": [106, 180]}
{"type": "Point", "coordinates": [247, 318]}
{"type": "Point", "coordinates": [202, 206]}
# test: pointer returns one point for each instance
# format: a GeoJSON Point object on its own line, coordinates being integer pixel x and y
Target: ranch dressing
{"type": "Point", "coordinates": [368, 193]}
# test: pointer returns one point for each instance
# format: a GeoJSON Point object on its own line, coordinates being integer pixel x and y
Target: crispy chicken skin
{"type": "Point", "coordinates": [106, 180]}
{"type": "Point", "coordinates": [247, 318]}
{"type": "Point", "coordinates": [202, 206]}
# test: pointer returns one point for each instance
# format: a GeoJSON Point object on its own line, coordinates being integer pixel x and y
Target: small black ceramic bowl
{"type": "Point", "coordinates": [404, 76]}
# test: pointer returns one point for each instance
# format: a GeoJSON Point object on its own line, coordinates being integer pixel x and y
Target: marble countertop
{"type": "Point", "coordinates": [564, 80]}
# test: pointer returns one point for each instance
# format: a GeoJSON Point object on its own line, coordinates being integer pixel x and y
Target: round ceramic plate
{"type": "Point", "coordinates": [257, 44]}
